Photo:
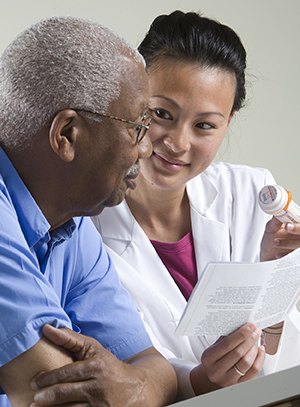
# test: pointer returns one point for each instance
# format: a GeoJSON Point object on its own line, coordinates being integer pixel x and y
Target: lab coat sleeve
{"type": "Point", "coordinates": [181, 366]}
{"type": "Point", "coordinates": [288, 352]}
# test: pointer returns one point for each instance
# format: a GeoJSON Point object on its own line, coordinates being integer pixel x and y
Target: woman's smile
{"type": "Point", "coordinates": [169, 163]}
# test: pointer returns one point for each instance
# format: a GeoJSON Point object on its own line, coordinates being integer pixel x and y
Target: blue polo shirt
{"type": "Point", "coordinates": [64, 278]}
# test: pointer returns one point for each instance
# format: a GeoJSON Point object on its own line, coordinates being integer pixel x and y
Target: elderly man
{"type": "Point", "coordinates": [73, 122]}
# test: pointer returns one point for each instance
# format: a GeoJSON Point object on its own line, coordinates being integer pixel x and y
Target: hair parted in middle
{"type": "Point", "coordinates": [191, 38]}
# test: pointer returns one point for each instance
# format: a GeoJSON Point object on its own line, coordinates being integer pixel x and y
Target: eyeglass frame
{"type": "Point", "coordinates": [140, 135]}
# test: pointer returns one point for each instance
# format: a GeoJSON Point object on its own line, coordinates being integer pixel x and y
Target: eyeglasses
{"type": "Point", "coordinates": [140, 128]}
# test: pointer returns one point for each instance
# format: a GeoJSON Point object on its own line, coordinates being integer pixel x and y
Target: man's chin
{"type": "Point", "coordinates": [115, 199]}
{"type": "Point", "coordinates": [119, 198]}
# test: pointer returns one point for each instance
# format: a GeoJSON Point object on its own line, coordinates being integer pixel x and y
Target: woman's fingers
{"type": "Point", "coordinates": [247, 335]}
{"type": "Point", "coordinates": [235, 357]}
{"type": "Point", "coordinates": [253, 368]}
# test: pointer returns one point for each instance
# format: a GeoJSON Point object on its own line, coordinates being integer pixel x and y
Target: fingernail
{"type": "Point", "coordinates": [276, 242]}
{"type": "Point", "coordinates": [33, 385]}
{"type": "Point", "coordinates": [290, 227]}
{"type": "Point", "coordinates": [256, 334]}
{"type": "Point", "coordinates": [262, 348]}
{"type": "Point", "coordinates": [251, 327]}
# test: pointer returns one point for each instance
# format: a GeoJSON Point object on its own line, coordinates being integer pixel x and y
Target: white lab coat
{"type": "Point", "coordinates": [227, 225]}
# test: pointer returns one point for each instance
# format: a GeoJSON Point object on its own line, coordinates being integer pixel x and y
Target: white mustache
{"type": "Point", "coordinates": [134, 170]}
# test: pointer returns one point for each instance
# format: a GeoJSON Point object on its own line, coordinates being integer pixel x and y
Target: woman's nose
{"type": "Point", "coordinates": [145, 147]}
{"type": "Point", "coordinates": [178, 140]}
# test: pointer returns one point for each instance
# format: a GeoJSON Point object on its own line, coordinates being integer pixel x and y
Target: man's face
{"type": "Point", "coordinates": [111, 154]}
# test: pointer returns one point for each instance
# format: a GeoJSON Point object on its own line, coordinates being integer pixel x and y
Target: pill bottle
{"type": "Point", "coordinates": [277, 201]}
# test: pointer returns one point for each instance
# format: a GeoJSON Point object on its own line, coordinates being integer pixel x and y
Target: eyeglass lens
{"type": "Point", "coordinates": [141, 131]}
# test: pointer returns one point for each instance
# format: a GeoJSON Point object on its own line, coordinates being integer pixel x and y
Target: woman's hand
{"type": "Point", "coordinates": [271, 337]}
{"type": "Point", "coordinates": [279, 239]}
{"type": "Point", "coordinates": [231, 359]}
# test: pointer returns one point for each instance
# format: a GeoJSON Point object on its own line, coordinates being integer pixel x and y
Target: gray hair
{"type": "Point", "coordinates": [58, 63]}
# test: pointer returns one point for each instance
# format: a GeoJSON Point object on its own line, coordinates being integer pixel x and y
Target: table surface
{"type": "Point", "coordinates": [270, 390]}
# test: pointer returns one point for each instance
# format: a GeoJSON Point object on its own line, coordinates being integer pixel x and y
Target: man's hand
{"type": "Point", "coordinates": [279, 240]}
{"type": "Point", "coordinates": [99, 379]}
{"type": "Point", "coordinates": [229, 355]}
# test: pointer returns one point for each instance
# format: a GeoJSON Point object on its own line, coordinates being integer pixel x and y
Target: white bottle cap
{"type": "Point", "coordinates": [272, 199]}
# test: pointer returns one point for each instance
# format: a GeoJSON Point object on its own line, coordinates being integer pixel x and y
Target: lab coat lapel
{"type": "Point", "coordinates": [131, 243]}
{"type": "Point", "coordinates": [209, 243]}
{"type": "Point", "coordinates": [152, 268]}
{"type": "Point", "coordinates": [208, 234]}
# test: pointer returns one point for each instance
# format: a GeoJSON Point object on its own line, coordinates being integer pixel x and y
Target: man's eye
{"type": "Point", "coordinates": [162, 114]}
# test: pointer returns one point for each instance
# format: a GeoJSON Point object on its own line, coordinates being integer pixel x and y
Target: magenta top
{"type": "Point", "coordinates": [179, 258]}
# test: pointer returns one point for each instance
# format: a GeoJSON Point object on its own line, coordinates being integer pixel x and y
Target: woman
{"type": "Point", "coordinates": [187, 211]}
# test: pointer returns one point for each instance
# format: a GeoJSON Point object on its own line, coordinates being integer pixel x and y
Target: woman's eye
{"type": "Point", "coordinates": [162, 114]}
{"type": "Point", "coordinates": [205, 126]}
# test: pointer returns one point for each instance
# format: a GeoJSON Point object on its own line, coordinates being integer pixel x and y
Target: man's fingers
{"type": "Point", "coordinates": [62, 394]}
{"type": "Point", "coordinates": [71, 373]}
{"type": "Point", "coordinates": [83, 347]}
{"type": "Point", "coordinates": [64, 374]}
{"type": "Point", "coordinates": [64, 337]}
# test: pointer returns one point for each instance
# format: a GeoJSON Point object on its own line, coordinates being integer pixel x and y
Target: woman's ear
{"type": "Point", "coordinates": [230, 117]}
{"type": "Point", "coordinates": [63, 134]}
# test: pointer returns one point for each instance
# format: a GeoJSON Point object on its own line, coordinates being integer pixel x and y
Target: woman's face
{"type": "Point", "coordinates": [191, 113]}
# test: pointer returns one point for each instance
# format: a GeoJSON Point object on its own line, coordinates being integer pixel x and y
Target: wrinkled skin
{"type": "Point", "coordinates": [99, 379]}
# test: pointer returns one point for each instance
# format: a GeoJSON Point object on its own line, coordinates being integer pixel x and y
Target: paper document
{"type": "Point", "coordinates": [230, 294]}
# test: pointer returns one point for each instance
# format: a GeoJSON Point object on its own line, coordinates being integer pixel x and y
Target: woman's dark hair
{"type": "Point", "coordinates": [188, 37]}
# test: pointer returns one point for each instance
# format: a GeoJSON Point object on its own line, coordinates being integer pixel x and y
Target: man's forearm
{"type": "Point", "coordinates": [158, 377]}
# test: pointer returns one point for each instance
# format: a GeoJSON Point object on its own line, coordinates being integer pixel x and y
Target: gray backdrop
{"type": "Point", "coordinates": [265, 132]}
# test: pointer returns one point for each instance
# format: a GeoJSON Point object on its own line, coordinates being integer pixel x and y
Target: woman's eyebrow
{"type": "Point", "coordinates": [210, 113]}
{"type": "Point", "coordinates": [171, 101]}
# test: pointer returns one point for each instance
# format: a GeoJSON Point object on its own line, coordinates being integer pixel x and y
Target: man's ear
{"type": "Point", "coordinates": [63, 134]}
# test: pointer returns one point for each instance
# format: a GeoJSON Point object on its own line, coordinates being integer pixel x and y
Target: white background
{"type": "Point", "coordinates": [265, 133]}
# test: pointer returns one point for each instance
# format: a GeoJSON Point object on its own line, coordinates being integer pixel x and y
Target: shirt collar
{"type": "Point", "coordinates": [33, 223]}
